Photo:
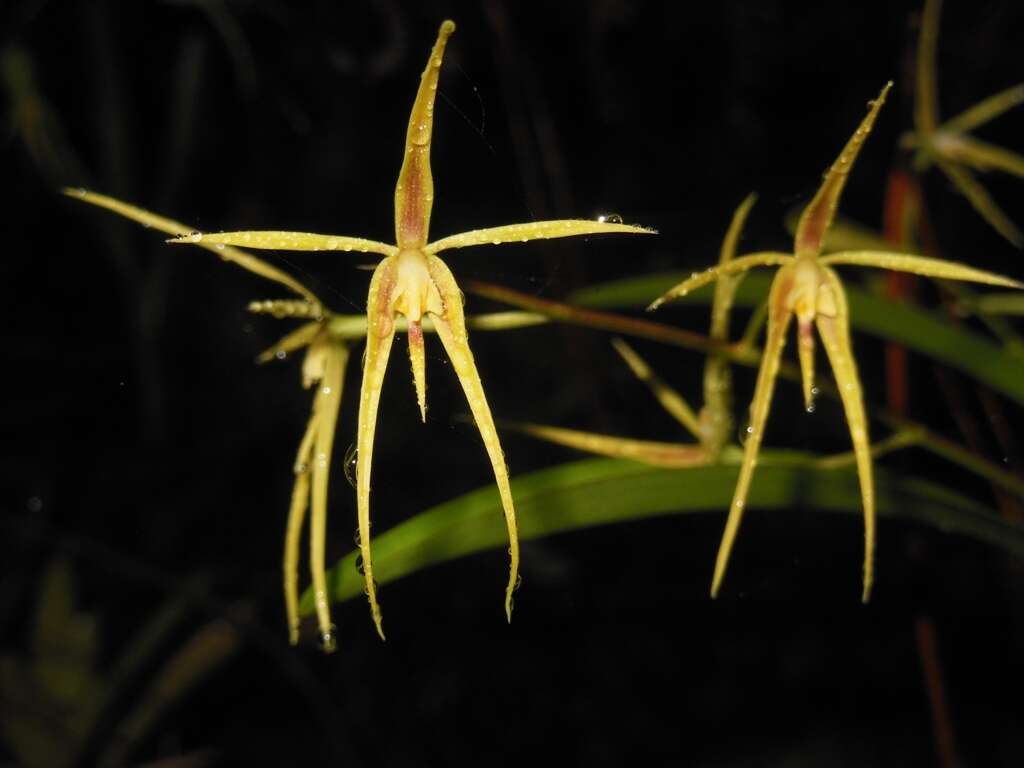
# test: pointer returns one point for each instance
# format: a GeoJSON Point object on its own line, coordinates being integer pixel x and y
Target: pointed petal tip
{"type": "Point", "coordinates": [508, 607]}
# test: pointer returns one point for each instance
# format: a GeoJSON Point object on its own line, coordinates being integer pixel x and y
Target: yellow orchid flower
{"type": "Point", "coordinates": [411, 281]}
{"type": "Point", "coordinates": [949, 145]}
{"type": "Point", "coordinates": [808, 288]}
{"type": "Point", "coordinates": [328, 338]}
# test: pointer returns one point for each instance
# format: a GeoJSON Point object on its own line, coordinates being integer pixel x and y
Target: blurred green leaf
{"type": "Point", "coordinates": [592, 492]}
{"type": "Point", "coordinates": [925, 332]}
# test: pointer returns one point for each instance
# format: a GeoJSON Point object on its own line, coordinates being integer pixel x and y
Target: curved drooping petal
{"type": "Point", "coordinates": [451, 329]}
{"type": "Point", "coordinates": [414, 192]}
{"type": "Point", "coordinates": [280, 240]}
{"type": "Point", "coordinates": [325, 408]}
{"type": "Point", "coordinates": [379, 337]}
{"type": "Point", "coordinates": [312, 469]}
{"type": "Point", "coordinates": [835, 334]}
{"type": "Point", "coordinates": [293, 533]}
{"type": "Point", "coordinates": [171, 227]}
{"type": "Point", "coordinates": [533, 230]}
{"type": "Point", "coordinates": [779, 315]}
{"type": "Point", "coordinates": [817, 216]}
{"type": "Point", "coordinates": [709, 275]}
{"type": "Point", "coordinates": [919, 265]}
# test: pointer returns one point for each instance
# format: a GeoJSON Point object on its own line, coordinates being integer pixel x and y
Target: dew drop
{"type": "Point", "coordinates": [329, 640]}
{"type": "Point", "coordinates": [220, 246]}
{"type": "Point", "coordinates": [351, 456]}
{"type": "Point", "coordinates": [811, 407]}
{"type": "Point", "coordinates": [332, 243]}
{"type": "Point", "coordinates": [326, 390]}
{"type": "Point", "coordinates": [80, 192]}
{"type": "Point", "coordinates": [195, 237]}
{"type": "Point", "coordinates": [281, 354]}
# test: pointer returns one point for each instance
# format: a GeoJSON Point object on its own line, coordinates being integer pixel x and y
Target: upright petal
{"type": "Point", "coordinates": [985, 110]}
{"type": "Point", "coordinates": [818, 215]}
{"type": "Point", "coordinates": [926, 106]}
{"type": "Point", "coordinates": [835, 334]}
{"type": "Point", "coordinates": [779, 315]}
{"type": "Point", "coordinates": [716, 415]}
{"type": "Point", "coordinates": [414, 193]}
{"type": "Point", "coordinates": [451, 329]}
{"type": "Point", "coordinates": [379, 336]}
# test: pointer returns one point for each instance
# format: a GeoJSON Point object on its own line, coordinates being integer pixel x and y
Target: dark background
{"type": "Point", "coordinates": [142, 443]}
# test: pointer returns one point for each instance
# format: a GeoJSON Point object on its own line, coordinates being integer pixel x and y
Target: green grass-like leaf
{"type": "Point", "coordinates": [592, 492]}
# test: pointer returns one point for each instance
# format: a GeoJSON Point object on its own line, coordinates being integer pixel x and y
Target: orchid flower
{"type": "Point", "coordinates": [412, 282]}
{"type": "Point", "coordinates": [328, 338]}
{"type": "Point", "coordinates": [949, 145]}
{"type": "Point", "coordinates": [808, 288]}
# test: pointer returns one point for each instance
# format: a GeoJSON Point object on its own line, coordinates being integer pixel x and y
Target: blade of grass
{"type": "Point", "coordinates": [594, 492]}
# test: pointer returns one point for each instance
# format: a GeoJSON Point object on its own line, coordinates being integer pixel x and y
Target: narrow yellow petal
{"type": "Point", "coordinates": [379, 337]}
{"type": "Point", "coordinates": [835, 334]}
{"type": "Point", "coordinates": [980, 200]}
{"type": "Point", "coordinates": [651, 452]}
{"type": "Point", "coordinates": [414, 193]}
{"type": "Point", "coordinates": [168, 226]}
{"type": "Point", "coordinates": [983, 157]}
{"type": "Point", "coordinates": [667, 397]}
{"type": "Point", "coordinates": [451, 329]}
{"type": "Point", "coordinates": [278, 240]}
{"type": "Point", "coordinates": [817, 216]}
{"type": "Point", "coordinates": [534, 230]}
{"type": "Point", "coordinates": [920, 265]}
{"type": "Point", "coordinates": [417, 357]}
{"type": "Point", "coordinates": [293, 534]}
{"type": "Point", "coordinates": [985, 110]}
{"type": "Point", "coordinates": [297, 339]}
{"type": "Point", "coordinates": [926, 107]}
{"type": "Point", "coordinates": [734, 267]}
{"type": "Point", "coordinates": [779, 316]}
{"type": "Point", "coordinates": [716, 415]}
{"type": "Point", "coordinates": [326, 404]}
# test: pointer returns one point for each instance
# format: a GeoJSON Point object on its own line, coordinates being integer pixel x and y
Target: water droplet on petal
{"type": "Point", "coordinates": [328, 640]}
{"type": "Point", "coordinates": [351, 457]}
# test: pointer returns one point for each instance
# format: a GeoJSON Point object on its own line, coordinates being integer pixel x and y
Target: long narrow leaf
{"type": "Point", "coordinates": [594, 492]}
